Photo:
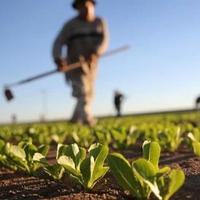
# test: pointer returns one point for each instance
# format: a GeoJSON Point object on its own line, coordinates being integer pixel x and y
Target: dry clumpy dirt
{"type": "Point", "coordinates": [18, 185]}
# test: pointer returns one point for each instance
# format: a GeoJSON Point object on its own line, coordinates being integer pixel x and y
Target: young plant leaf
{"type": "Point", "coordinates": [68, 164]}
{"type": "Point", "coordinates": [176, 180]}
{"type": "Point", "coordinates": [123, 173]}
{"type": "Point", "coordinates": [151, 152]}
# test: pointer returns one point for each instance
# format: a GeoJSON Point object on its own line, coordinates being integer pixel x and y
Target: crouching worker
{"type": "Point", "coordinates": [85, 36]}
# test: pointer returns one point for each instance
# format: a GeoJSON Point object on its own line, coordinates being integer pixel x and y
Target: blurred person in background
{"type": "Point", "coordinates": [85, 37]}
{"type": "Point", "coordinates": [13, 118]}
{"type": "Point", "coordinates": [197, 103]}
{"type": "Point", "coordinates": [118, 99]}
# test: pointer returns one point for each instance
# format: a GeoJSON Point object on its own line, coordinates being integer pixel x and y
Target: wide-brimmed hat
{"type": "Point", "coordinates": [76, 2]}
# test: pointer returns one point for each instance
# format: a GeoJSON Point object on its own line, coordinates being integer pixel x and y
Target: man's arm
{"type": "Point", "coordinates": [59, 42]}
{"type": "Point", "coordinates": [104, 43]}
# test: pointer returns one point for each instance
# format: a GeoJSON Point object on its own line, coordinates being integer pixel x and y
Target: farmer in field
{"type": "Point", "coordinates": [85, 37]}
{"type": "Point", "coordinates": [197, 103]}
{"type": "Point", "coordinates": [118, 99]}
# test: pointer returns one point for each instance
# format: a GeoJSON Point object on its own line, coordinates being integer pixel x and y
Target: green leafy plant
{"type": "Point", "coordinates": [21, 156]}
{"type": "Point", "coordinates": [170, 183]}
{"type": "Point", "coordinates": [54, 170]}
{"type": "Point", "coordinates": [126, 176]}
{"type": "Point", "coordinates": [3, 158]}
{"type": "Point", "coordinates": [87, 169]}
{"type": "Point", "coordinates": [82, 136]}
{"type": "Point", "coordinates": [124, 137]}
{"type": "Point", "coordinates": [102, 135]}
{"type": "Point", "coordinates": [144, 176]}
{"type": "Point", "coordinates": [170, 138]}
{"type": "Point", "coordinates": [194, 140]}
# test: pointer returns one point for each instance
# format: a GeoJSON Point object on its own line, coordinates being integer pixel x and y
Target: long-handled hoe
{"type": "Point", "coordinates": [9, 94]}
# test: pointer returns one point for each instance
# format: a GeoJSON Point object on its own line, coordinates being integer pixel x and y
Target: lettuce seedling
{"type": "Point", "coordinates": [3, 158]}
{"type": "Point", "coordinates": [194, 139]}
{"type": "Point", "coordinates": [55, 170]}
{"type": "Point", "coordinates": [170, 138]}
{"type": "Point", "coordinates": [126, 176]}
{"type": "Point", "coordinates": [21, 156]}
{"type": "Point", "coordinates": [102, 135]}
{"type": "Point", "coordinates": [87, 169]}
{"type": "Point", "coordinates": [144, 176]}
{"type": "Point", "coordinates": [170, 183]}
{"type": "Point", "coordinates": [123, 137]}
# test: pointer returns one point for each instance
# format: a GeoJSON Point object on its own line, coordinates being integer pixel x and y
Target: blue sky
{"type": "Point", "coordinates": [160, 71]}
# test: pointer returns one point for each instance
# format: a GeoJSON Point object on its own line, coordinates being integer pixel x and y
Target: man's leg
{"type": "Point", "coordinates": [76, 114]}
{"type": "Point", "coordinates": [88, 83]}
{"type": "Point", "coordinates": [77, 94]}
{"type": "Point", "coordinates": [118, 110]}
{"type": "Point", "coordinates": [83, 90]}
{"type": "Point", "coordinates": [82, 111]}
{"type": "Point", "coordinates": [87, 112]}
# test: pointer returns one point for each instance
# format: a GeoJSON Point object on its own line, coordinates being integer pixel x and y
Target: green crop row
{"type": "Point", "coordinates": [170, 136]}
{"type": "Point", "coordinates": [169, 130]}
{"type": "Point", "coordinates": [142, 178]}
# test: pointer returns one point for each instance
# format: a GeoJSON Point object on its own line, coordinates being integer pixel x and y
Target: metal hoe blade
{"type": "Point", "coordinates": [8, 94]}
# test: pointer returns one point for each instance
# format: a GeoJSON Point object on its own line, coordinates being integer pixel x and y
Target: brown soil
{"type": "Point", "coordinates": [17, 185]}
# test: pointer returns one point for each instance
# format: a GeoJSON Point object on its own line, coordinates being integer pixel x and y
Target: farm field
{"type": "Point", "coordinates": [160, 152]}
